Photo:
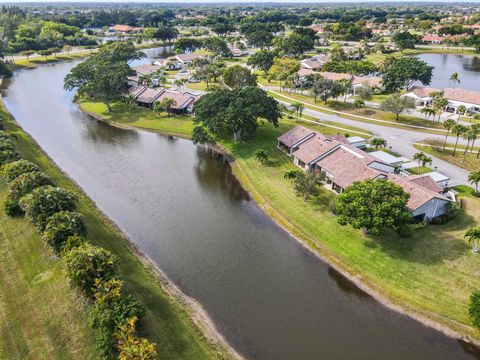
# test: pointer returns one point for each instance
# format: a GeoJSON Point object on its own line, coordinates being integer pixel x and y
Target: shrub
{"type": "Point", "coordinates": [453, 209]}
{"type": "Point", "coordinates": [6, 144]}
{"type": "Point", "coordinates": [474, 308]}
{"type": "Point", "coordinates": [131, 346]}
{"type": "Point", "coordinates": [111, 308]}
{"type": "Point", "coordinates": [72, 242]}
{"type": "Point", "coordinates": [45, 201]}
{"type": "Point", "coordinates": [4, 134]}
{"type": "Point", "coordinates": [61, 226]}
{"type": "Point", "coordinates": [20, 187]}
{"type": "Point", "coordinates": [86, 264]}
{"type": "Point", "coordinates": [14, 169]}
{"type": "Point", "coordinates": [405, 230]}
{"type": "Point", "coordinates": [8, 156]}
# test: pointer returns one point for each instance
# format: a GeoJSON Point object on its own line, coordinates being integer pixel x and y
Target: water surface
{"type": "Point", "coordinates": [271, 298]}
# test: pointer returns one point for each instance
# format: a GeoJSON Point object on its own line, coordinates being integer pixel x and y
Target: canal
{"type": "Point", "coordinates": [267, 295]}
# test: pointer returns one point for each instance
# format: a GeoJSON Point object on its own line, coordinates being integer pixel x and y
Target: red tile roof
{"type": "Point", "coordinates": [313, 148]}
{"type": "Point", "coordinates": [150, 95]}
{"type": "Point", "coordinates": [467, 96]}
{"type": "Point", "coordinates": [147, 69]}
{"type": "Point", "coordinates": [125, 28]}
{"type": "Point", "coordinates": [335, 76]}
{"type": "Point", "coordinates": [182, 100]}
{"type": "Point", "coordinates": [426, 181]}
{"type": "Point", "coordinates": [421, 91]}
{"type": "Point", "coordinates": [374, 82]}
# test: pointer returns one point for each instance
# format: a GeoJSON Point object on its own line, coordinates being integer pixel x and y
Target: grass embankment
{"type": "Point", "coordinates": [368, 115]}
{"type": "Point", "coordinates": [471, 162]}
{"type": "Point", "coordinates": [431, 274]}
{"type": "Point", "coordinates": [34, 61]}
{"type": "Point", "coordinates": [41, 317]}
{"type": "Point", "coordinates": [166, 323]}
{"type": "Point", "coordinates": [378, 58]}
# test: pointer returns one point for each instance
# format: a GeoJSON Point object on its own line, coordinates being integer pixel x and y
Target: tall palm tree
{"type": "Point", "coordinates": [458, 130]}
{"type": "Point", "coordinates": [378, 142]}
{"type": "Point", "coordinates": [454, 79]}
{"type": "Point", "coordinates": [428, 112]}
{"type": "Point", "coordinates": [298, 107]}
{"type": "Point", "coordinates": [471, 136]}
{"type": "Point", "coordinates": [346, 86]}
{"type": "Point", "coordinates": [131, 100]}
{"type": "Point", "coordinates": [168, 104]}
{"type": "Point", "coordinates": [474, 178]}
{"type": "Point", "coordinates": [473, 235]}
{"type": "Point", "coordinates": [439, 104]}
{"type": "Point", "coordinates": [448, 124]}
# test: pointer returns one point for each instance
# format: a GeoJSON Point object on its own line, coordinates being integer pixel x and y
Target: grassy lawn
{"type": "Point", "coordinates": [166, 323]}
{"type": "Point", "coordinates": [471, 162]}
{"type": "Point", "coordinates": [41, 317]}
{"type": "Point", "coordinates": [432, 274]}
{"type": "Point", "coordinates": [419, 170]}
{"type": "Point", "coordinates": [348, 108]}
{"type": "Point", "coordinates": [33, 61]}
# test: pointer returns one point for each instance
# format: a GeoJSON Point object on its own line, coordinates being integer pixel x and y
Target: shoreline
{"type": "Point", "coordinates": [316, 249]}
{"type": "Point", "coordinates": [190, 306]}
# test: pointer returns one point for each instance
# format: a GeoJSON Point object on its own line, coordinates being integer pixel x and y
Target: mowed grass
{"type": "Point", "coordinates": [432, 274]}
{"type": "Point", "coordinates": [41, 317]}
{"type": "Point", "coordinates": [166, 323]}
{"type": "Point", "coordinates": [471, 162]}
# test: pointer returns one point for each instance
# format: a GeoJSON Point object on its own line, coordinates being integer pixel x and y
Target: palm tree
{"type": "Point", "coordinates": [291, 174]}
{"type": "Point", "coordinates": [131, 100]}
{"type": "Point", "coordinates": [428, 112]}
{"type": "Point", "coordinates": [458, 130]}
{"type": "Point", "coordinates": [471, 136]}
{"type": "Point", "coordinates": [144, 79]}
{"type": "Point", "coordinates": [448, 124]}
{"type": "Point", "coordinates": [261, 155]}
{"type": "Point", "coordinates": [473, 235]}
{"type": "Point", "coordinates": [298, 107]}
{"type": "Point", "coordinates": [474, 178]}
{"type": "Point", "coordinates": [426, 160]}
{"type": "Point", "coordinates": [346, 85]}
{"type": "Point", "coordinates": [439, 103]}
{"type": "Point", "coordinates": [378, 142]}
{"type": "Point", "coordinates": [420, 156]}
{"type": "Point", "coordinates": [168, 104]}
{"type": "Point", "coordinates": [454, 79]}
{"type": "Point", "coordinates": [157, 107]}
{"type": "Point", "coordinates": [461, 109]}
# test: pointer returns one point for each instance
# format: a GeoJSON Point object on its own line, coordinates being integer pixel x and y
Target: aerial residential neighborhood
{"type": "Point", "coordinates": [239, 180]}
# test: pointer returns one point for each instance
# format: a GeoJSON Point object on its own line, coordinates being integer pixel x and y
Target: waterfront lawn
{"type": "Point", "coordinates": [41, 317]}
{"type": "Point", "coordinates": [166, 322]}
{"type": "Point", "coordinates": [140, 117]}
{"type": "Point", "coordinates": [471, 162]}
{"type": "Point", "coordinates": [432, 273]}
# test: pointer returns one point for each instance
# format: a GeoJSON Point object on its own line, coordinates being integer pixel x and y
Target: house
{"type": "Point", "coordinates": [335, 76]}
{"type": "Point", "coordinates": [317, 28]}
{"type": "Point", "coordinates": [342, 164]}
{"type": "Point", "coordinates": [291, 140]}
{"type": "Point", "coordinates": [146, 97]}
{"type": "Point", "coordinates": [357, 141]}
{"type": "Point", "coordinates": [125, 29]}
{"type": "Point", "coordinates": [376, 83]}
{"type": "Point", "coordinates": [147, 69]}
{"type": "Point", "coordinates": [304, 72]}
{"type": "Point", "coordinates": [433, 39]}
{"type": "Point", "coordinates": [186, 59]}
{"type": "Point", "coordinates": [387, 158]}
{"type": "Point", "coordinates": [315, 63]}
{"type": "Point", "coordinates": [456, 97]}
{"type": "Point", "coordinates": [440, 179]}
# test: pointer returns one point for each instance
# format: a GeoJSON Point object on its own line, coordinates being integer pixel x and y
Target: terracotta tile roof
{"type": "Point", "coordinates": [426, 181]}
{"type": "Point", "coordinates": [317, 28]}
{"type": "Point", "coordinates": [433, 38]}
{"type": "Point", "coordinates": [295, 135]}
{"type": "Point", "coordinates": [421, 91]}
{"type": "Point", "coordinates": [375, 82]}
{"type": "Point", "coordinates": [150, 95]}
{"type": "Point", "coordinates": [467, 96]}
{"type": "Point", "coordinates": [188, 57]}
{"type": "Point", "coordinates": [305, 72]}
{"type": "Point", "coordinates": [313, 148]}
{"type": "Point", "coordinates": [182, 100]}
{"type": "Point", "coordinates": [419, 195]}
{"type": "Point", "coordinates": [125, 28]}
{"type": "Point", "coordinates": [136, 90]}
{"type": "Point", "coordinates": [146, 69]}
{"type": "Point", "coordinates": [335, 76]}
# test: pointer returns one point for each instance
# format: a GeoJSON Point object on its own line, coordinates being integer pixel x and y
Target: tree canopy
{"type": "Point", "coordinates": [239, 76]}
{"type": "Point", "coordinates": [403, 72]}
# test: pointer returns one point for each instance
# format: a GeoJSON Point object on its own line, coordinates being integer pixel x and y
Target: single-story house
{"type": "Point", "coordinates": [186, 59]}
{"type": "Point", "coordinates": [374, 82]}
{"type": "Point", "coordinates": [317, 28]}
{"type": "Point", "coordinates": [316, 62]}
{"type": "Point", "coordinates": [343, 164]}
{"type": "Point", "coordinates": [146, 97]}
{"type": "Point", "coordinates": [147, 69]}
{"type": "Point", "coordinates": [387, 158]}
{"type": "Point", "coordinates": [442, 180]}
{"type": "Point", "coordinates": [335, 76]}
{"type": "Point", "coordinates": [421, 95]}
{"type": "Point", "coordinates": [433, 39]}
{"type": "Point", "coordinates": [291, 140]}
{"type": "Point", "coordinates": [125, 29]}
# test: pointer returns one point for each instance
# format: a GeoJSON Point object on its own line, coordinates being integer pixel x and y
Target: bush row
{"type": "Point", "coordinates": [91, 269]}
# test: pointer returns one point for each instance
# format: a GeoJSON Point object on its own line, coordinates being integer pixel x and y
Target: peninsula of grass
{"type": "Point", "coordinates": [430, 275]}
{"type": "Point", "coordinates": [34, 295]}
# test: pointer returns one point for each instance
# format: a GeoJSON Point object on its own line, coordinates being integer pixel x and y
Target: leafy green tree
{"type": "Point", "coordinates": [61, 226]}
{"type": "Point", "coordinates": [397, 104]}
{"type": "Point", "coordinates": [185, 44]}
{"type": "Point", "coordinates": [474, 308]}
{"type": "Point", "coordinates": [359, 103]}
{"type": "Point", "coordinates": [473, 236]}
{"type": "Point", "coordinates": [262, 60]}
{"type": "Point", "coordinates": [217, 46]}
{"type": "Point", "coordinates": [353, 67]}
{"type": "Point", "coordinates": [201, 136]}
{"type": "Point", "coordinates": [21, 186]}
{"type": "Point", "coordinates": [45, 201]}
{"type": "Point", "coordinates": [295, 44]}
{"type": "Point", "coordinates": [373, 205]}
{"type": "Point", "coordinates": [87, 264]}
{"type": "Point", "coordinates": [474, 178]}
{"type": "Point", "coordinates": [291, 175]}
{"type": "Point", "coordinates": [378, 142]}
{"type": "Point", "coordinates": [261, 155]}
{"type": "Point", "coordinates": [14, 169]}
{"type": "Point", "coordinates": [239, 76]}
{"type": "Point", "coordinates": [403, 72]}
{"type": "Point", "coordinates": [282, 68]}
{"type": "Point", "coordinates": [227, 113]}
{"type": "Point", "coordinates": [405, 40]}
{"type": "Point", "coordinates": [6, 144]}
{"type": "Point", "coordinates": [306, 184]}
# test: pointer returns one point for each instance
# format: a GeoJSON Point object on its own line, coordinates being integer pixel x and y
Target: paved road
{"type": "Point", "coordinates": [401, 141]}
